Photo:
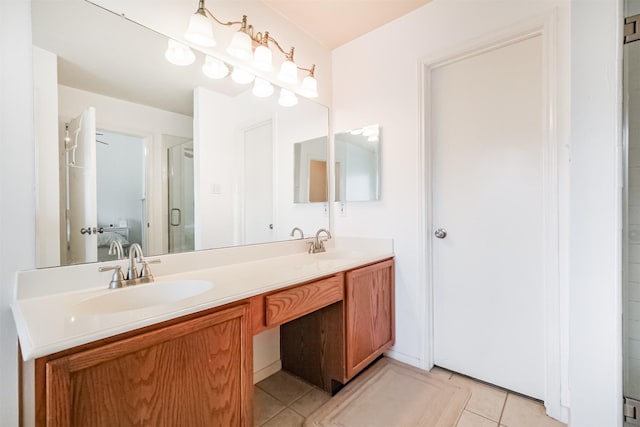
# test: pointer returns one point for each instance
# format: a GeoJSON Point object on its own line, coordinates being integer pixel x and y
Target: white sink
{"type": "Point", "coordinates": [337, 255]}
{"type": "Point", "coordinates": [140, 296]}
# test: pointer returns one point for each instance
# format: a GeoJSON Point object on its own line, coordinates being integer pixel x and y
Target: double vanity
{"type": "Point", "coordinates": [181, 348]}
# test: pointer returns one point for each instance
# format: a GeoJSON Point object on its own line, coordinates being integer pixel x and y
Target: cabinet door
{"type": "Point", "coordinates": [195, 373]}
{"type": "Point", "coordinates": [370, 328]}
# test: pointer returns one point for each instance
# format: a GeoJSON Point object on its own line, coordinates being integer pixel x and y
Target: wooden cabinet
{"type": "Point", "coordinates": [329, 346]}
{"type": "Point", "coordinates": [198, 372]}
{"type": "Point", "coordinates": [300, 300]}
{"type": "Point", "coordinates": [369, 314]}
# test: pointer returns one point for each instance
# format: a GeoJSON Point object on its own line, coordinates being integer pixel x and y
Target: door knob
{"type": "Point", "coordinates": [440, 233]}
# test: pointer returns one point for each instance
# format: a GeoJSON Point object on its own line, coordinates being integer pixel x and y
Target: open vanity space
{"type": "Point", "coordinates": [189, 361]}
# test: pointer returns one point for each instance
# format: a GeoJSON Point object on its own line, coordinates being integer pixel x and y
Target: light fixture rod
{"type": "Point", "coordinates": [204, 11]}
{"type": "Point", "coordinates": [259, 37]}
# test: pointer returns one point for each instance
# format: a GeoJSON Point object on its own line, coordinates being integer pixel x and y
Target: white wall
{"type": "Point", "coordinates": [17, 182]}
{"type": "Point", "coordinates": [594, 295]}
{"type": "Point", "coordinates": [594, 333]}
{"type": "Point", "coordinates": [377, 80]}
{"type": "Point", "coordinates": [45, 88]}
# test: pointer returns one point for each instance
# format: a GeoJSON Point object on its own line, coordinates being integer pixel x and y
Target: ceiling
{"type": "Point", "coordinates": [336, 22]}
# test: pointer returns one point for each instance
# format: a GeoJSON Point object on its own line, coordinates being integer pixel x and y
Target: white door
{"type": "Point", "coordinates": [258, 184]}
{"type": "Point", "coordinates": [82, 213]}
{"type": "Point", "coordinates": [487, 193]}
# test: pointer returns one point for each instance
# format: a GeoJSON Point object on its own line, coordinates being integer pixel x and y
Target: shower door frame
{"type": "Point", "coordinates": [629, 401]}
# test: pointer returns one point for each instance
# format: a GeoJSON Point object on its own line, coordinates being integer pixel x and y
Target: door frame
{"type": "Point", "coordinates": [555, 201]}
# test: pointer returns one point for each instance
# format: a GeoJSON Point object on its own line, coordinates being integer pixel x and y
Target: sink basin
{"type": "Point", "coordinates": [337, 255]}
{"type": "Point", "coordinates": [141, 296]}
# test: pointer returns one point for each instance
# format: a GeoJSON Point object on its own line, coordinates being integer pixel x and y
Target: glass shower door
{"type": "Point", "coordinates": [180, 166]}
{"type": "Point", "coordinates": [631, 283]}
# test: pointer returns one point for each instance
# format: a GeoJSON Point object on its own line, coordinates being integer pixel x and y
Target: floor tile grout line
{"type": "Point", "coordinates": [504, 406]}
{"type": "Point", "coordinates": [480, 415]}
{"type": "Point", "coordinates": [284, 405]}
{"type": "Point", "coordinates": [273, 416]}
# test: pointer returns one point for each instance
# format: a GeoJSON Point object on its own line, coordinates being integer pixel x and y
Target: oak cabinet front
{"type": "Point", "coordinates": [195, 373]}
{"type": "Point", "coordinates": [369, 314]}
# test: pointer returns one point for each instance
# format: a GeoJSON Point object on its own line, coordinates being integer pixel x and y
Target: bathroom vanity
{"type": "Point", "coordinates": [191, 359]}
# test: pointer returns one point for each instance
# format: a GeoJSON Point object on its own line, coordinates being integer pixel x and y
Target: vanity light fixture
{"type": "Point", "coordinates": [309, 86]}
{"type": "Point", "coordinates": [262, 88]}
{"type": "Point", "coordinates": [200, 32]}
{"type": "Point", "coordinates": [214, 68]}
{"type": "Point", "coordinates": [262, 56]}
{"type": "Point", "coordinates": [242, 77]}
{"type": "Point", "coordinates": [287, 98]}
{"type": "Point", "coordinates": [179, 54]}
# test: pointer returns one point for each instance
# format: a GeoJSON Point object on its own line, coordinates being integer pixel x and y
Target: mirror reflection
{"type": "Point", "coordinates": [310, 171]}
{"type": "Point", "coordinates": [357, 169]}
{"type": "Point", "coordinates": [133, 149]}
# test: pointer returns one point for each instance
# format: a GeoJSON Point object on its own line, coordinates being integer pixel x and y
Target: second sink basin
{"type": "Point", "coordinates": [141, 296]}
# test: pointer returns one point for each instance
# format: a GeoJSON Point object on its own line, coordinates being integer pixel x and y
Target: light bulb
{"type": "Point", "coordinates": [263, 58]}
{"type": "Point", "coordinates": [200, 31]}
{"type": "Point", "coordinates": [240, 46]}
{"type": "Point", "coordinates": [287, 98]}
{"type": "Point", "coordinates": [179, 54]}
{"type": "Point", "coordinates": [214, 68]}
{"type": "Point", "coordinates": [262, 88]}
{"type": "Point", "coordinates": [241, 76]}
{"type": "Point", "coordinates": [309, 87]}
{"type": "Point", "coordinates": [288, 72]}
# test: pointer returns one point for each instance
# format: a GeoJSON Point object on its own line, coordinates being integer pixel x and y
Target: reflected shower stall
{"type": "Point", "coordinates": [180, 197]}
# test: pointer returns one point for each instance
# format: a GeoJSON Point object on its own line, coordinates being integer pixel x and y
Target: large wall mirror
{"type": "Point", "coordinates": [357, 168]}
{"type": "Point", "coordinates": [133, 149]}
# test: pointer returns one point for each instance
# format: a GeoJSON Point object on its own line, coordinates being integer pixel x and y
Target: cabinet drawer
{"type": "Point", "coordinates": [292, 303]}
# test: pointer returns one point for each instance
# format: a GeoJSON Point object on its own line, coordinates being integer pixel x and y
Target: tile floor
{"type": "Point", "coordinates": [283, 400]}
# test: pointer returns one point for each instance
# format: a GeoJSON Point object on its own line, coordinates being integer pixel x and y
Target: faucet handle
{"type": "Point", "coordinates": [312, 247]}
{"type": "Point", "coordinates": [117, 279]}
{"type": "Point", "coordinates": [145, 271]}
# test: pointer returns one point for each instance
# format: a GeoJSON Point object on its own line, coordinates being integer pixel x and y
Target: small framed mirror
{"type": "Point", "coordinates": [357, 170]}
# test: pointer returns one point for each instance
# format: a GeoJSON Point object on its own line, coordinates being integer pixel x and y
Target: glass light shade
{"type": "Point", "coordinates": [240, 46]}
{"type": "Point", "coordinates": [309, 87]}
{"type": "Point", "coordinates": [214, 68]}
{"type": "Point", "coordinates": [262, 88]}
{"type": "Point", "coordinates": [179, 54]}
{"type": "Point", "coordinates": [263, 58]}
{"type": "Point", "coordinates": [241, 76]}
{"type": "Point", "coordinates": [200, 31]}
{"type": "Point", "coordinates": [288, 72]}
{"type": "Point", "coordinates": [287, 98]}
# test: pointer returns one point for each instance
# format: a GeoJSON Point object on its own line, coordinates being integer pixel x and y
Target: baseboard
{"type": "Point", "coordinates": [404, 358]}
{"type": "Point", "coordinates": [267, 371]}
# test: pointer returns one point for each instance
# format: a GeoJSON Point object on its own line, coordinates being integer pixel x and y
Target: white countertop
{"type": "Point", "coordinates": [52, 322]}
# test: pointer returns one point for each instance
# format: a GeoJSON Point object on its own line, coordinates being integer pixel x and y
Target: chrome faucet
{"type": "Point", "coordinates": [116, 249]}
{"type": "Point", "coordinates": [293, 232]}
{"type": "Point", "coordinates": [317, 245]}
{"type": "Point", "coordinates": [135, 251]}
{"type": "Point", "coordinates": [118, 280]}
